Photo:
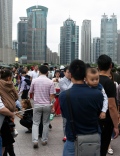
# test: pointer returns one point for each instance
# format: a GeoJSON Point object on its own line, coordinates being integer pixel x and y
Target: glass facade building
{"type": "Point", "coordinates": [96, 49]}
{"type": "Point", "coordinates": [37, 34]}
{"type": "Point", "coordinates": [108, 43]}
{"type": "Point", "coordinates": [6, 55]}
{"type": "Point", "coordinates": [69, 42]}
{"type": "Point", "coordinates": [22, 36]}
{"type": "Point", "coordinates": [86, 41]}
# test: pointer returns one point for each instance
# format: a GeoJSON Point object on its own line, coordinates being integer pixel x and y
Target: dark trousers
{"type": "Point", "coordinates": [107, 130]}
{"type": "Point", "coordinates": [25, 94]}
{"type": "Point", "coordinates": [25, 123]}
{"type": "Point", "coordinates": [10, 150]}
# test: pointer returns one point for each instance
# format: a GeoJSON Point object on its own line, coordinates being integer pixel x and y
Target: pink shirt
{"type": "Point", "coordinates": [42, 87]}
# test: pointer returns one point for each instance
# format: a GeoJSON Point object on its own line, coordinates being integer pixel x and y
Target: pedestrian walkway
{"type": "Point", "coordinates": [23, 145]}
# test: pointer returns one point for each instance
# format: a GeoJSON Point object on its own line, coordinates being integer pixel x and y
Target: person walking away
{"type": "Point", "coordinates": [24, 85]}
{"type": "Point", "coordinates": [65, 83]}
{"type": "Point", "coordinates": [111, 121]}
{"type": "Point", "coordinates": [44, 90]}
{"type": "Point", "coordinates": [85, 111]}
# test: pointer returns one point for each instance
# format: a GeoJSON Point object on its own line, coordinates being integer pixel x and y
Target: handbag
{"type": "Point", "coordinates": [85, 145]}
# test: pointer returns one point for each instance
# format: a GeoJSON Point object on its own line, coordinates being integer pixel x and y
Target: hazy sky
{"type": "Point", "coordinates": [59, 11]}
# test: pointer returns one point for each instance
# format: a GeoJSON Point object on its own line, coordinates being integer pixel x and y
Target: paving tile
{"type": "Point", "coordinates": [23, 145]}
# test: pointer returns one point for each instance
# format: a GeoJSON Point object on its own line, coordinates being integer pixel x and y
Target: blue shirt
{"type": "Point", "coordinates": [86, 105]}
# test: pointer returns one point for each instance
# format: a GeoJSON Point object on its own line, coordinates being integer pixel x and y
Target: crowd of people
{"type": "Point", "coordinates": [86, 97]}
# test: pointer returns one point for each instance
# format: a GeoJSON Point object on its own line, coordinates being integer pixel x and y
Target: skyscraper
{"type": "Point", "coordinates": [86, 41]}
{"type": "Point", "coordinates": [108, 43]}
{"type": "Point", "coordinates": [96, 49]}
{"type": "Point", "coordinates": [37, 34]}
{"type": "Point", "coordinates": [118, 48]}
{"type": "Point", "coordinates": [7, 55]}
{"type": "Point", "coordinates": [22, 37]}
{"type": "Point", "coordinates": [69, 42]}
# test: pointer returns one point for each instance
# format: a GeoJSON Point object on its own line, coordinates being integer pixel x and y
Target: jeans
{"type": "Point", "coordinates": [37, 113]}
{"type": "Point", "coordinates": [0, 146]}
{"type": "Point", "coordinates": [69, 148]}
{"type": "Point", "coordinates": [64, 125]}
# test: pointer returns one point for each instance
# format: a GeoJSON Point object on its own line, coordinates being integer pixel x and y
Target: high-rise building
{"type": "Point", "coordinates": [7, 55]}
{"type": "Point", "coordinates": [69, 42]}
{"type": "Point", "coordinates": [108, 40]}
{"type": "Point", "coordinates": [52, 57]}
{"type": "Point", "coordinates": [86, 41]}
{"type": "Point", "coordinates": [37, 34]}
{"type": "Point", "coordinates": [96, 49]}
{"type": "Point", "coordinates": [22, 36]}
{"type": "Point", "coordinates": [118, 48]}
{"type": "Point", "coordinates": [15, 47]}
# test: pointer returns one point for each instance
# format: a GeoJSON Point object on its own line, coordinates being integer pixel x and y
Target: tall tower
{"type": "Point", "coordinates": [37, 34]}
{"type": "Point", "coordinates": [69, 42]}
{"type": "Point", "coordinates": [6, 53]}
{"type": "Point", "coordinates": [86, 41]}
{"type": "Point", "coordinates": [96, 49]}
{"type": "Point", "coordinates": [108, 43]}
{"type": "Point", "coordinates": [118, 48]}
{"type": "Point", "coordinates": [22, 36]}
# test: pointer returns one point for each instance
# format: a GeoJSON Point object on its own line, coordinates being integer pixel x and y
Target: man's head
{"type": "Point", "coordinates": [36, 67]}
{"type": "Point", "coordinates": [46, 64]}
{"type": "Point", "coordinates": [77, 69]}
{"type": "Point", "coordinates": [43, 70]}
{"type": "Point", "coordinates": [104, 63]}
{"type": "Point", "coordinates": [92, 77]}
{"type": "Point", "coordinates": [67, 73]}
{"type": "Point", "coordinates": [26, 69]}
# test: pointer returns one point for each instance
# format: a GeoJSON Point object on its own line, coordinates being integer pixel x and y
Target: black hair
{"type": "Point", "coordinates": [87, 65]}
{"type": "Point", "coordinates": [91, 70]}
{"type": "Point", "coordinates": [43, 69]}
{"type": "Point", "coordinates": [23, 72]}
{"type": "Point", "coordinates": [104, 62]}
{"type": "Point", "coordinates": [5, 73]}
{"type": "Point", "coordinates": [77, 69]}
{"type": "Point", "coordinates": [51, 68]}
{"type": "Point", "coordinates": [45, 64]}
{"type": "Point", "coordinates": [57, 71]}
{"type": "Point", "coordinates": [66, 68]}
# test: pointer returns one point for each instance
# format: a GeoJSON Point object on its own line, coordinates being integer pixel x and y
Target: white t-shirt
{"type": "Point", "coordinates": [1, 104]}
{"type": "Point", "coordinates": [34, 74]}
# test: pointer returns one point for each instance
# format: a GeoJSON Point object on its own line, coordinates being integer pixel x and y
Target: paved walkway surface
{"type": "Point", "coordinates": [23, 145]}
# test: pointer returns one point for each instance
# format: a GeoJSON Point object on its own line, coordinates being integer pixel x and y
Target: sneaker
{"type": "Point", "coordinates": [110, 151]}
{"type": "Point", "coordinates": [44, 143]}
{"type": "Point", "coordinates": [29, 131]}
{"type": "Point", "coordinates": [50, 126]}
{"type": "Point", "coordinates": [64, 139]}
{"type": "Point", "coordinates": [35, 145]}
{"type": "Point", "coordinates": [15, 133]}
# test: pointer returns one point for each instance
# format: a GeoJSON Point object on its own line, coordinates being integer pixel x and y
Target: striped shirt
{"type": "Point", "coordinates": [42, 87]}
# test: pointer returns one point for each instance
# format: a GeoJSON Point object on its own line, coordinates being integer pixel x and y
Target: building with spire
{"type": "Point", "coordinates": [108, 38]}
{"type": "Point", "coordinates": [69, 42]}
